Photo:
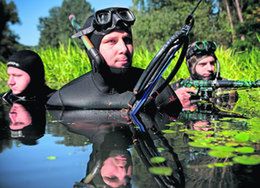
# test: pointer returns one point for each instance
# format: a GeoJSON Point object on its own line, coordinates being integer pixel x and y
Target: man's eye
{"type": "Point", "coordinates": [112, 41]}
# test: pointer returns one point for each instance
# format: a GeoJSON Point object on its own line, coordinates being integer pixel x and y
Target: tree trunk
{"type": "Point", "coordinates": [230, 20]}
{"type": "Point", "coordinates": [240, 17]}
{"type": "Point", "coordinates": [239, 12]}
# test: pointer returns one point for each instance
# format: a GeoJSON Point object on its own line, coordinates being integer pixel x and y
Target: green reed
{"type": "Point", "coordinates": [66, 63]}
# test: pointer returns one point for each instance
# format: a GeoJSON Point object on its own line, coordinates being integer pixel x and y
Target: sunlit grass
{"type": "Point", "coordinates": [64, 64]}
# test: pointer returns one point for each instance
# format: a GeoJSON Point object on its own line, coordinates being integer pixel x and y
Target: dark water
{"type": "Point", "coordinates": [61, 148]}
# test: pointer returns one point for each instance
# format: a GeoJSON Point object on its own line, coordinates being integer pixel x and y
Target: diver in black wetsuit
{"type": "Point", "coordinates": [26, 78]}
{"type": "Point", "coordinates": [110, 83]}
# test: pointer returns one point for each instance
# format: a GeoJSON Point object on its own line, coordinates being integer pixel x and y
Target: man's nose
{"type": "Point", "coordinates": [11, 81]}
{"type": "Point", "coordinates": [210, 67]}
{"type": "Point", "coordinates": [122, 46]}
{"type": "Point", "coordinates": [122, 172]}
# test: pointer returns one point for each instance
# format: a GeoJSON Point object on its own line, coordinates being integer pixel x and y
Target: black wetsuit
{"type": "Point", "coordinates": [96, 91]}
{"type": "Point", "coordinates": [42, 95]}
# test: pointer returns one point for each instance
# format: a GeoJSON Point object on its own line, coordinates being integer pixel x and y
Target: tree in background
{"type": "Point", "coordinates": [55, 28]}
{"type": "Point", "coordinates": [8, 39]}
{"type": "Point", "coordinates": [228, 22]}
{"type": "Point", "coordinates": [246, 18]}
{"type": "Point", "coordinates": [158, 20]}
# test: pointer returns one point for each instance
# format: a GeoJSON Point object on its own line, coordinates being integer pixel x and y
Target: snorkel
{"type": "Point", "coordinates": [94, 54]}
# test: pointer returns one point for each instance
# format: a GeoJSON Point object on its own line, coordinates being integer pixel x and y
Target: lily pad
{"type": "Point", "coordinates": [245, 150]}
{"type": "Point", "coordinates": [157, 159]}
{"type": "Point", "coordinates": [224, 164]}
{"type": "Point", "coordinates": [242, 137]}
{"type": "Point", "coordinates": [201, 144]}
{"type": "Point", "coordinates": [247, 160]}
{"type": "Point", "coordinates": [168, 131]}
{"type": "Point", "coordinates": [165, 171]}
{"type": "Point", "coordinates": [221, 154]}
{"type": "Point", "coordinates": [160, 149]}
{"type": "Point", "coordinates": [51, 157]}
{"type": "Point", "coordinates": [223, 148]}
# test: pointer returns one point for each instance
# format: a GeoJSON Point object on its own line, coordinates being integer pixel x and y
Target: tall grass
{"type": "Point", "coordinates": [64, 64]}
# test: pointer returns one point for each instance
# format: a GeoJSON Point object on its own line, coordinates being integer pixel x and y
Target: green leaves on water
{"type": "Point", "coordinates": [224, 164]}
{"type": "Point", "coordinates": [221, 154]}
{"type": "Point", "coordinates": [165, 171]}
{"type": "Point", "coordinates": [245, 150]}
{"type": "Point", "coordinates": [157, 159]}
{"type": "Point", "coordinates": [227, 151]}
{"type": "Point", "coordinates": [200, 144]}
{"type": "Point", "coordinates": [168, 131]}
{"type": "Point", "coordinates": [242, 137]}
{"type": "Point", "coordinates": [51, 157]}
{"type": "Point", "coordinates": [223, 148]}
{"type": "Point", "coordinates": [247, 160]}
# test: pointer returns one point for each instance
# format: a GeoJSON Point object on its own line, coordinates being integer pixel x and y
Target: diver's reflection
{"type": "Point", "coordinates": [27, 122]}
{"type": "Point", "coordinates": [110, 163]}
{"type": "Point", "coordinates": [19, 117]}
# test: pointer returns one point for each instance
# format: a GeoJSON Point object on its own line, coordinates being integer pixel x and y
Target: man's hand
{"type": "Point", "coordinates": [184, 95]}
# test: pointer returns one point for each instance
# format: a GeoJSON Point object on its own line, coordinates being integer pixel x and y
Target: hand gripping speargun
{"type": "Point", "coordinates": [206, 88]}
{"type": "Point", "coordinates": [144, 89]}
{"type": "Point", "coordinates": [94, 54]}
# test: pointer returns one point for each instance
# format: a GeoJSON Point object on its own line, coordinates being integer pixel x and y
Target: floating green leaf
{"type": "Point", "coordinates": [255, 137]}
{"type": "Point", "coordinates": [51, 157]}
{"type": "Point", "coordinates": [247, 160]}
{"type": "Point", "coordinates": [224, 164]}
{"type": "Point", "coordinates": [168, 131]}
{"type": "Point", "coordinates": [166, 171]}
{"type": "Point", "coordinates": [200, 144]}
{"type": "Point", "coordinates": [221, 154]}
{"type": "Point", "coordinates": [223, 148]}
{"type": "Point", "coordinates": [231, 144]}
{"type": "Point", "coordinates": [242, 137]}
{"type": "Point", "coordinates": [245, 150]}
{"type": "Point", "coordinates": [160, 149]}
{"type": "Point", "coordinates": [157, 159]}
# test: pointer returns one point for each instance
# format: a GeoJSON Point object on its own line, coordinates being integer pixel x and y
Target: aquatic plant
{"type": "Point", "coordinates": [66, 63]}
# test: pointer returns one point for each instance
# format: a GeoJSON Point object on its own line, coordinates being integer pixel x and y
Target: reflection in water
{"type": "Point", "coordinates": [26, 122]}
{"type": "Point", "coordinates": [116, 154]}
{"type": "Point", "coordinates": [110, 162]}
{"type": "Point", "coordinates": [111, 134]}
{"type": "Point", "coordinates": [211, 130]}
{"type": "Point", "coordinates": [147, 150]}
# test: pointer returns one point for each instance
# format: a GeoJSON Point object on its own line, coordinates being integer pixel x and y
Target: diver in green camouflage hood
{"type": "Point", "coordinates": [202, 64]}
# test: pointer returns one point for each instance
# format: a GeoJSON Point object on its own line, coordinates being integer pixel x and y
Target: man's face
{"type": "Point", "coordinates": [117, 49]}
{"type": "Point", "coordinates": [19, 117]}
{"type": "Point", "coordinates": [18, 80]}
{"type": "Point", "coordinates": [206, 68]}
{"type": "Point", "coordinates": [116, 171]}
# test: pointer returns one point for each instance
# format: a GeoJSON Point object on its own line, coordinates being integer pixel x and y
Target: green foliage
{"type": "Point", "coordinates": [248, 30]}
{"type": "Point", "coordinates": [158, 20]}
{"type": "Point", "coordinates": [64, 64]}
{"type": "Point", "coordinates": [55, 29]}
{"type": "Point", "coordinates": [165, 171]}
{"type": "Point", "coordinates": [8, 39]}
{"type": "Point", "coordinates": [155, 25]}
{"type": "Point", "coordinates": [247, 160]}
{"type": "Point", "coordinates": [67, 62]}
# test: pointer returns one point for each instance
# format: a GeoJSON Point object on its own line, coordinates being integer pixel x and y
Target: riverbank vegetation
{"type": "Point", "coordinates": [66, 63]}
